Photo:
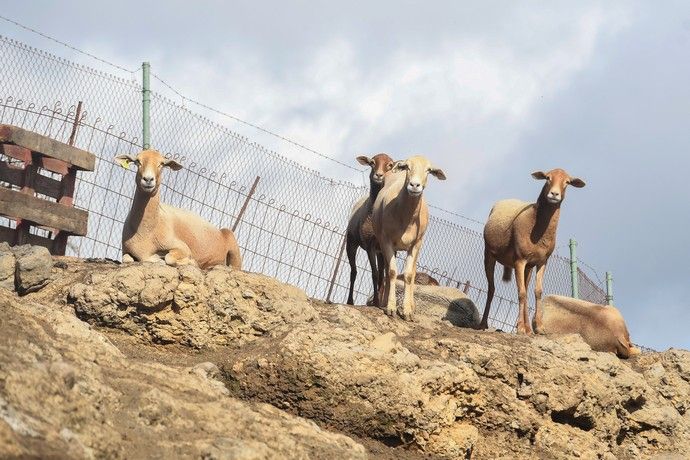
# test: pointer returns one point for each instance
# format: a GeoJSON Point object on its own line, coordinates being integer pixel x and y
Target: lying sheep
{"type": "Point", "coordinates": [154, 231]}
{"type": "Point", "coordinates": [601, 327]}
{"type": "Point", "coordinates": [360, 231]}
{"type": "Point", "coordinates": [400, 217]}
{"type": "Point", "coordinates": [522, 236]}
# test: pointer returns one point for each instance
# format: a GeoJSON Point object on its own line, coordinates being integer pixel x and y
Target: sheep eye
{"type": "Point", "coordinates": [389, 166]}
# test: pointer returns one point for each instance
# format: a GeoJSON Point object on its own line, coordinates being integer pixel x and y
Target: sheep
{"type": "Point", "coordinates": [601, 327]}
{"type": "Point", "coordinates": [522, 236]}
{"type": "Point", "coordinates": [154, 231]}
{"type": "Point", "coordinates": [400, 217]}
{"type": "Point", "coordinates": [360, 232]}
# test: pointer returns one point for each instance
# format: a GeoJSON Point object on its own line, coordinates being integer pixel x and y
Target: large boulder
{"type": "Point", "coordinates": [188, 306]}
{"type": "Point", "coordinates": [441, 303]}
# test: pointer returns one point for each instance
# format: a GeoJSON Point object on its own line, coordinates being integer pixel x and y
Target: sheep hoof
{"type": "Point", "coordinates": [390, 312]}
{"type": "Point", "coordinates": [408, 316]}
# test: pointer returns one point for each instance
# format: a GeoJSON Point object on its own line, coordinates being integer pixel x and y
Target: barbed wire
{"type": "Point", "coordinates": [66, 45]}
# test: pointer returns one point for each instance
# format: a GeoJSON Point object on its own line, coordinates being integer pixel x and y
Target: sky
{"type": "Point", "coordinates": [489, 91]}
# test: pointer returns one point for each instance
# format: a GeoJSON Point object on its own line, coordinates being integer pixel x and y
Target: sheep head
{"type": "Point", "coordinates": [149, 165]}
{"type": "Point", "coordinates": [417, 170]}
{"type": "Point", "coordinates": [380, 164]}
{"type": "Point", "coordinates": [556, 182]}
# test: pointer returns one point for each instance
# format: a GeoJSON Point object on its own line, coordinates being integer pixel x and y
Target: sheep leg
{"type": "Point", "coordinates": [382, 272]}
{"type": "Point", "coordinates": [374, 271]}
{"type": "Point", "coordinates": [351, 247]}
{"type": "Point", "coordinates": [409, 276]}
{"type": "Point", "coordinates": [178, 256]}
{"type": "Point", "coordinates": [528, 275]}
{"type": "Point", "coordinates": [522, 328]}
{"type": "Point", "coordinates": [489, 267]}
{"type": "Point", "coordinates": [389, 290]}
{"type": "Point", "coordinates": [537, 324]}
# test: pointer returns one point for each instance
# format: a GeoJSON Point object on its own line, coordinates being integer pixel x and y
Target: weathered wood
{"type": "Point", "coordinates": [10, 236]}
{"type": "Point", "coordinates": [53, 165]}
{"type": "Point", "coordinates": [14, 175]}
{"type": "Point", "coordinates": [16, 152]}
{"type": "Point", "coordinates": [20, 206]}
{"type": "Point", "coordinates": [81, 159]}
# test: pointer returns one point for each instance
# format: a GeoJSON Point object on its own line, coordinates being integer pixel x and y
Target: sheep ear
{"type": "Point", "coordinates": [576, 182]}
{"type": "Point", "coordinates": [438, 173]}
{"type": "Point", "coordinates": [400, 166]}
{"type": "Point", "coordinates": [172, 164]}
{"type": "Point", "coordinates": [539, 175]}
{"type": "Point", "coordinates": [124, 160]}
{"type": "Point", "coordinates": [364, 160]}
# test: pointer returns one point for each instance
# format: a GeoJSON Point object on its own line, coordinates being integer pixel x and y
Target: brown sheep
{"type": "Point", "coordinates": [400, 217]}
{"type": "Point", "coordinates": [360, 231]}
{"type": "Point", "coordinates": [601, 327]}
{"type": "Point", "coordinates": [154, 231]}
{"type": "Point", "coordinates": [521, 236]}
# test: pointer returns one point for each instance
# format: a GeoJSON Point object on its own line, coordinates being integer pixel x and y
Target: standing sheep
{"type": "Point", "coordinates": [400, 217]}
{"type": "Point", "coordinates": [155, 231]}
{"type": "Point", "coordinates": [360, 231]}
{"type": "Point", "coordinates": [522, 236]}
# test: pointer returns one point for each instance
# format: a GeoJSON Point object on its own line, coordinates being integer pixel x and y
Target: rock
{"type": "Point", "coordinates": [33, 267]}
{"type": "Point", "coordinates": [7, 267]}
{"type": "Point", "coordinates": [441, 303]}
{"type": "Point", "coordinates": [68, 390]}
{"type": "Point", "coordinates": [244, 348]}
{"type": "Point", "coordinates": [187, 306]}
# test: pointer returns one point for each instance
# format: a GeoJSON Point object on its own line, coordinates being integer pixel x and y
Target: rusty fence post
{"type": "Point", "coordinates": [246, 203]}
{"type": "Point", "coordinates": [336, 269]}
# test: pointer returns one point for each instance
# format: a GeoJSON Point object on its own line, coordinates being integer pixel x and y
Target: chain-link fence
{"type": "Point", "coordinates": [293, 218]}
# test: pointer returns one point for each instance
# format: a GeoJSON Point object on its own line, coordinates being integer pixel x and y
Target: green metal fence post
{"type": "Point", "coordinates": [573, 269]}
{"type": "Point", "coordinates": [609, 288]}
{"type": "Point", "coordinates": [146, 104]}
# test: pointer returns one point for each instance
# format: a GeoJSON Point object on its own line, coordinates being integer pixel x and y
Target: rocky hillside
{"type": "Point", "coordinates": [148, 361]}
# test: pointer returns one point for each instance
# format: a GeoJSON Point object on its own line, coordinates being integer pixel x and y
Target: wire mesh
{"type": "Point", "coordinates": [294, 223]}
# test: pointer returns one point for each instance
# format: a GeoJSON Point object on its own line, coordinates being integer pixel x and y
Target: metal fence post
{"type": "Point", "coordinates": [609, 288]}
{"type": "Point", "coordinates": [146, 104]}
{"type": "Point", "coordinates": [573, 269]}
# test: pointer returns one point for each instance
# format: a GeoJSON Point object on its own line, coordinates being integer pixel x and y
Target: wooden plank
{"type": "Point", "coordinates": [53, 165]}
{"type": "Point", "coordinates": [14, 175]}
{"type": "Point", "coordinates": [16, 152]}
{"type": "Point", "coordinates": [20, 206]}
{"type": "Point", "coordinates": [81, 159]}
{"type": "Point", "coordinates": [9, 235]}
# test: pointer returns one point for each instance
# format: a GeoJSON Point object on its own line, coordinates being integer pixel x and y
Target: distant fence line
{"type": "Point", "coordinates": [294, 219]}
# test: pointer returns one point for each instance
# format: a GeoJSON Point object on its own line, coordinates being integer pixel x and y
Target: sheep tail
{"type": "Point", "coordinates": [507, 273]}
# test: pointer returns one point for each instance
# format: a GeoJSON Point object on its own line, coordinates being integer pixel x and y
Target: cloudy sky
{"type": "Point", "coordinates": [490, 91]}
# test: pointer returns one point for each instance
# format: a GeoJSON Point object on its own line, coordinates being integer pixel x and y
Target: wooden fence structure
{"type": "Point", "coordinates": [38, 175]}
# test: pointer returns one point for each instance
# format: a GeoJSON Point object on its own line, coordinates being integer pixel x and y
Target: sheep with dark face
{"type": "Point", "coordinates": [154, 231]}
{"type": "Point", "coordinates": [522, 236]}
{"type": "Point", "coordinates": [360, 232]}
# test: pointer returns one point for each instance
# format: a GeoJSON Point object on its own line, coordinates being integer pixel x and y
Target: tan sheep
{"type": "Point", "coordinates": [400, 217]}
{"type": "Point", "coordinates": [154, 231]}
{"type": "Point", "coordinates": [522, 236]}
{"type": "Point", "coordinates": [360, 231]}
{"type": "Point", "coordinates": [601, 327]}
